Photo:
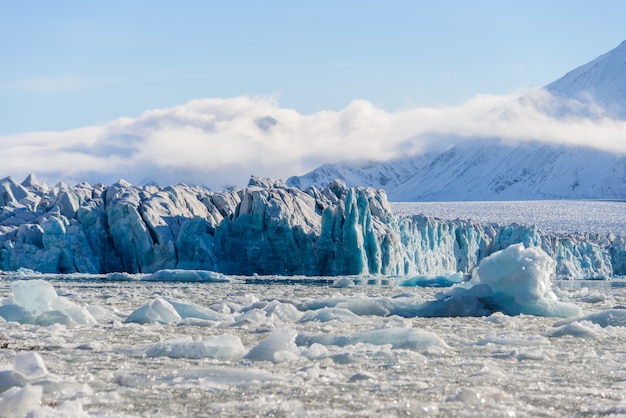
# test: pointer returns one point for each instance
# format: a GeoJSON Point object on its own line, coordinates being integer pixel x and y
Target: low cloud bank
{"type": "Point", "coordinates": [220, 142]}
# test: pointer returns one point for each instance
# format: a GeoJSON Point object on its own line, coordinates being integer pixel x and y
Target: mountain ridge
{"type": "Point", "coordinates": [495, 169]}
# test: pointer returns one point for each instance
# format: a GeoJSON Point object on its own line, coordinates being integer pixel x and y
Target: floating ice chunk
{"type": "Point", "coordinates": [195, 322]}
{"type": "Point", "coordinates": [609, 317]}
{"type": "Point", "coordinates": [253, 316]}
{"type": "Point", "coordinates": [92, 346]}
{"type": "Point", "coordinates": [443, 280]}
{"type": "Point", "coordinates": [357, 377]}
{"type": "Point", "coordinates": [331, 314]}
{"type": "Point", "coordinates": [76, 313]}
{"type": "Point", "coordinates": [343, 282]}
{"type": "Point", "coordinates": [512, 341]}
{"type": "Point", "coordinates": [283, 311]}
{"type": "Point", "coordinates": [222, 346]}
{"type": "Point", "coordinates": [515, 280]}
{"type": "Point", "coordinates": [30, 366]}
{"type": "Point", "coordinates": [36, 301]}
{"type": "Point", "coordinates": [33, 295]}
{"type": "Point", "coordinates": [68, 409]}
{"type": "Point", "coordinates": [279, 346]}
{"type": "Point", "coordinates": [314, 351]}
{"type": "Point", "coordinates": [191, 310]}
{"type": "Point", "coordinates": [399, 338]}
{"type": "Point", "coordinates": [480, 396]}
{"type": "Point", "coordinates": [159, 310]}
{"type": "Point", "coordinates": [16, 402]}
{"type": "Point", "coordinates": [174, 275]}
{"type": "Point", "coordinates": [518, 272]}
{"type": "Point", "coordinates": [8, 379]}
{"type": "Point", "coordinates": [358, 305]}
{"type": "Point", "coordinates": [577, 329]}
{"type": "Point", "coordinates": [364, 306]}
{"type": "Point", "coordinates": [13, 312]}
{"type": "Point", "coordinates": [122, 277]}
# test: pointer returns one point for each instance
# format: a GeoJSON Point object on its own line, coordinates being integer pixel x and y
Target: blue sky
{"type": "Point", "coordinates": [70, 64]}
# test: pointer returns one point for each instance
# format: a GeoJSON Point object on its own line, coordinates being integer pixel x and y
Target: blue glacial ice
{"type": "Point", "coordinates": [516, 280]}
{"type": "Point", "coordinates": [266, 228]}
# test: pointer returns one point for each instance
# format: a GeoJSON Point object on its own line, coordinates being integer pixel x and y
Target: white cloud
{"type": "Point", "coordinates": [218, 142]}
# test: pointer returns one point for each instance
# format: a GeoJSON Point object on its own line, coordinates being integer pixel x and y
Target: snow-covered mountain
{"type": "Point", "coordinates": [380, 175]}
{"type": "Point", "coordinates": [490, 170]}
{"type": "Point", "coordinates": [481, 169]}
{"type": "Point", "coordinates": [598, 86]}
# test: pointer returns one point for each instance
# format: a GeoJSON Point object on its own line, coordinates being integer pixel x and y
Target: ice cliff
{"type": "Point", "coordinates": [265, 228]}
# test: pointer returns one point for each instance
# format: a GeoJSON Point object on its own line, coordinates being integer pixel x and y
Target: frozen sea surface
{"type": "Point", "coordinates": [470, 366]}
{"type": "Point", "coordinates": [550, 215]}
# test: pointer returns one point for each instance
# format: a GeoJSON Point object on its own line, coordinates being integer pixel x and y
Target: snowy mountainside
{"type": "Point", "coordinates": [379, 175]}
{"type": "Point", "coordinates": [493, 170]}
{"type": "Point", "coordinates": [490, 169]}
{"type": "Point", "coordinates": [599, 84]}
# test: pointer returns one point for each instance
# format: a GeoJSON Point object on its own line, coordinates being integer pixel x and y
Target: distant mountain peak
{"type": "Point", "coordinates": [599, 84]}
{"type": "Point", "coordinates": [490, 169]}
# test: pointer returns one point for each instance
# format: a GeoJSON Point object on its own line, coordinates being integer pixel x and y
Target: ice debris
{"type": "Point", "coordinates": [167, 311]}
{"type": "Point", "coordinates": [177, 275]}
{"type": "Point", "coordinates": [222, 346]}
{"type": "Point", "coordinates": [278, 346]}
{"type": "Point", "coordinates": [36, 302]}
{"type": "Point", "coordinates": [398, 338]}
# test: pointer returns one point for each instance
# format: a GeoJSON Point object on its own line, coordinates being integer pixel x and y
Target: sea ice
{"type": "Point", "coordinates": [30, 366]}
{"type": "Point", "coordinates": [606, 318]}
{"type": "Point", "coordinates": [176, 275]}
{"type": "Point", "coordinates": [158, 310]}
{"type": "Point", "coordinates": [16, 402]}
{"type": "Point", "coordinates": [398, 338]}
{"type": "Point", "coordinates": [222, 346]}
{"type": "Point", "coordinates": [442, 280]}
{"type": "Point", "coordinates": [279, 346]}
{"type": "Point", "coordinates": [36, 301]}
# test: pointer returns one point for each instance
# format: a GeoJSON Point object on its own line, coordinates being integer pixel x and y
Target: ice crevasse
{"type": "Point", "coordinates": [264, 228]}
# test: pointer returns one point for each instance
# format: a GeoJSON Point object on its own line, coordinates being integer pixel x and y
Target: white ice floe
{"type": "Point", "coordinates": [398, 338]}
{"type": "Point", "coordinates": [158, 310]}
{"type": "Point", "coordinates": [36, 302]}
{"type": "Point", "coordinates": [222, 346]}
{"type": "Point", "coordinates": [176, 275]}
{"type": "Point", "coordinates": [279, 346]}
{"type": "Point", "coordinates": [18, 401]}
{"type": "Point", "coordinates": [167, 310]}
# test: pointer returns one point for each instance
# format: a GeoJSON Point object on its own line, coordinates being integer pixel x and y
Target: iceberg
{"type": "Point", "coordinates": [516, 280]}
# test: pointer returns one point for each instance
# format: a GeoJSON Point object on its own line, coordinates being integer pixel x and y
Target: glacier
{"type": "Point", "coordinates": [266, 228]}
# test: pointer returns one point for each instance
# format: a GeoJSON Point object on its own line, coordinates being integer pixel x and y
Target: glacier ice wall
{"type": "Point", "coordinates": [265, 228]}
